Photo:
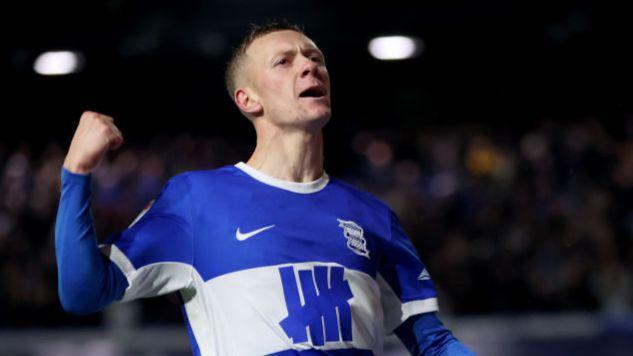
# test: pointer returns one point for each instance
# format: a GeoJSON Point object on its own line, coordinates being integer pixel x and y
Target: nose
{"type": "Point", "coordinates": [309, 66]}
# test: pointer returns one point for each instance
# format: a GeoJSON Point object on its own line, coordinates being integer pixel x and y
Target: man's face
{"type": "Point", "coordinates": [287, 73]}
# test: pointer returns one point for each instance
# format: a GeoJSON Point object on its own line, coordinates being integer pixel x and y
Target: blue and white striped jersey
{"type": "Point", "coordinates": [266, 266]}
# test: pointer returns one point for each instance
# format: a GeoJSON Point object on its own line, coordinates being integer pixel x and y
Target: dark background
{"type": "Point", "coordinates": [157, 66]}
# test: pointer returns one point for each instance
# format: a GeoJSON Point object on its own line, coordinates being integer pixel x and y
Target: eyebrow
{"type": "Point", "coordinates": [289, 50]}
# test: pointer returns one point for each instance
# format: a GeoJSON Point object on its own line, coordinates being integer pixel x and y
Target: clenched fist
{"type": "Point", "coordinates": [95, 135]}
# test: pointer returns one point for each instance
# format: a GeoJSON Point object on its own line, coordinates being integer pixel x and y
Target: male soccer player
{"type": "Point", "coordinates": [271, 256]}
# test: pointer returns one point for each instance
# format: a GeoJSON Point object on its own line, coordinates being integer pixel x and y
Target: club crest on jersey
{"type": "Point", "coordinates": [355, 239]}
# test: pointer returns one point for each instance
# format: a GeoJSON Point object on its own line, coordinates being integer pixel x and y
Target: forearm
{"type": "Point", "coordinates": [87, 282]}
{"type": "Point", "coordinates": [424, 334]}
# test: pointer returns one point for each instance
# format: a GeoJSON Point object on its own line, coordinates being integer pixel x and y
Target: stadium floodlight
{"type": "Point", "coordinates": [394, 47]}
{"type": "Point", "coordinates": [58, 63]}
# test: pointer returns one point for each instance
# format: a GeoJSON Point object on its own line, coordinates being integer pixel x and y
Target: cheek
{"type": "Point", "coordinates": [325, 74]}
{"type": "Point", "coordinates": [279, 92]}
{"type": "Point", "coordinates": [273, 83]}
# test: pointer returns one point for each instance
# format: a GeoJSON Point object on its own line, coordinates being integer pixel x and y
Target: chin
{"type": "Point", "coordinates": [322, 117]}
{"type": "Point", "coordinates": [315, 121]}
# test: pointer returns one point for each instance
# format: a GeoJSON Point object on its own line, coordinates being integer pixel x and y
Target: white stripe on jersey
{"type": "Point", "coordinates": [239, 313]}
{"type": "Point", "coordinates": [399, 311]}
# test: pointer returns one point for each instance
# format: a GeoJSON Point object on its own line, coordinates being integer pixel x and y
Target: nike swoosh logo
{"type": "Point", "coordinates": [241, 237]}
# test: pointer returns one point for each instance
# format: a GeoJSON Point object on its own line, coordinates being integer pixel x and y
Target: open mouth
{"type": "Point", "coordinates": [313, 92]}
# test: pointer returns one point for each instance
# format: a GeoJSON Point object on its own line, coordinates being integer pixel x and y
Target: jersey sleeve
{"type": "Point", "coordinates": [156, 251]}
{"type": "Point", "coordinates": [405, 284]}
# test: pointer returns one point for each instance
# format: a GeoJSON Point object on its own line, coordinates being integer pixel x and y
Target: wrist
{"type": "Point", "coordinates": [76, 168]}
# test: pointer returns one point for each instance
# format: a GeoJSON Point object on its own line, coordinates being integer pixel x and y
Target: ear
{"type": "Point", "coordinates": [247, 102]}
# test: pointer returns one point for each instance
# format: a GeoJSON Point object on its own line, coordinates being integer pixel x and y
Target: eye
{"type": "Point", "coordinates": [281, 61]}
{"type": "Point", "coordinates": [317, 58]}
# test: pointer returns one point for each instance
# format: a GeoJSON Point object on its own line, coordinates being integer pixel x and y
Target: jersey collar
{"type": "Point", "coordinates": [296, 187]}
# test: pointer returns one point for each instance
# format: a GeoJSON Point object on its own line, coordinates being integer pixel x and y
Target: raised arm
{"type": "Point", "coordinates": [87, 281]}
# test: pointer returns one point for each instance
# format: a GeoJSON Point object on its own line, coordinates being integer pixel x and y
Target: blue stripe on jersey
{"type": "Point", "coordinates": [198, 216]}
{"type": "Point", "coordinates": [336, 352]}
{"type": "Point", "coordinates": [306, 226]}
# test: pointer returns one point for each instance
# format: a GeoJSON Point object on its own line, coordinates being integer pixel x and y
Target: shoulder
{"type": "Point", "coordinates": [195, 178]}
{"type": "Point", "coordinates": [374, 214]}
{"type": "Point", "coordinates": [359, 196]}
{"type": "Point", "coordinates": [188, 185]}
{"type": "Point", "coordinates": [185, 191]}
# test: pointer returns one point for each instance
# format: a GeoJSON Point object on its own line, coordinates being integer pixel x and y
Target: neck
{"type": "Point", "coordinates": [291, 155]}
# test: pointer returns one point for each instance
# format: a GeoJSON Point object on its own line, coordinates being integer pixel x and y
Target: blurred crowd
{"type": "Point", "coordinates": [506, 220]}
{"type": "Point", "coordinates": [510, 220]}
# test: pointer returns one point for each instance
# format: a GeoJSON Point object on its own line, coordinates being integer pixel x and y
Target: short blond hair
{"type": "Point", "coordinates": [237, 57]}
